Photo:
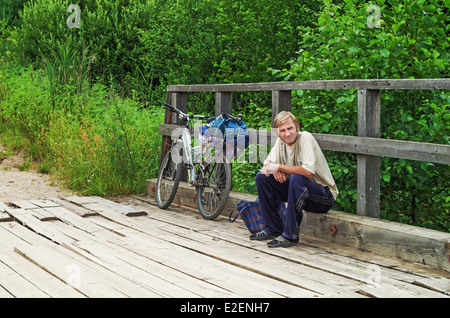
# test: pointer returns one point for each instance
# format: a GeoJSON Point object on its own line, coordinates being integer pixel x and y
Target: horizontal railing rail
{"type": "Point", "coordinates": [432, 83]}
{"type": "Point", "coordinates": [368, 146]}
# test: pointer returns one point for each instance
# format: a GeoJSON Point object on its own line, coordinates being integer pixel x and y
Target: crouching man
{"type": "Point", "coordinates": [296, 172]}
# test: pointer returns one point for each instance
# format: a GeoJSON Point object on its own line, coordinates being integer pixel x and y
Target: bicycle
{"type": "Point", "coordinates": [211, 176]}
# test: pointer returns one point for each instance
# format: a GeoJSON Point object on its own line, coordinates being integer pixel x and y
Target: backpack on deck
{"type": "Point", "coordinates": [250, 212]}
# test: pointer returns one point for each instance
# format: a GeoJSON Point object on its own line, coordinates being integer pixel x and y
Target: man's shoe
{"type": "Point", "coordinates": [261, 236]}
{"type": "Point", "coordinates": [281, 241]}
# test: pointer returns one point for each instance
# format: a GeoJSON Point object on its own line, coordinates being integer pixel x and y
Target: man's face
{"type": "Point", "coordinates": [288, 132]}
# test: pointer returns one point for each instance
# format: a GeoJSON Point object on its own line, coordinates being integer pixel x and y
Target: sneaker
{"type": "Point", "coordinates": [281, 241]}
{"type": "Point", "coordinates": [261, 236]}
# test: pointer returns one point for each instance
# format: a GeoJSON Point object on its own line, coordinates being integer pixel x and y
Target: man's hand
{"type": "Point", "coordinates": [273, 169]}
{"type": "Point", "coordinates": [280, 176]}
{"type": "Point", "coordinates": [279, 171]}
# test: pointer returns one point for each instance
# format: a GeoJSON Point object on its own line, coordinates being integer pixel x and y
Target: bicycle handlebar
{"type": "Point", "coordinates": [176, 110]}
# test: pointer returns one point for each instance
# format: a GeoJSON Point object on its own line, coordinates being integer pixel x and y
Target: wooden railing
{"type": "Point", "coordinates": [368, 145]}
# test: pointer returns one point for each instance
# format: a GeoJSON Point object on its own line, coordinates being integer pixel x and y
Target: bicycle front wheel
{"type": "Point", "coordinates": [169, 177]}
{"type": "Point", "coordinates": [213, 193]}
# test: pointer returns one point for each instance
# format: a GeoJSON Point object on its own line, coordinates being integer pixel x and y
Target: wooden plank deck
{"type": "Point", "coordinates": [93, 247]}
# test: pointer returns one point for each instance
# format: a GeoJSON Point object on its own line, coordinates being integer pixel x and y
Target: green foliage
{"type": "Point", "coordinates": [9, 11]}
{"type": "Point", "coordinates": [93, 141]}
{"type": "Point", "coordinates": [412, 42]}
{"type": "Point", "coordinates": [141, 45]}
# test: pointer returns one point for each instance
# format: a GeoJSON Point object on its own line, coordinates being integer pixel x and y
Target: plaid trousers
{"type": "Point", "coordinates": [300, 193]}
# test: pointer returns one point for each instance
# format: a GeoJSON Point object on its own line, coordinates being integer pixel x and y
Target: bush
{"type": "Point", "coordinates": [141, 45]}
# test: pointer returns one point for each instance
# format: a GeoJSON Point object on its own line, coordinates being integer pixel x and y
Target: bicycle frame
{"type": "Point", "coordinates": [184, 143]}
{"type": "Point", "coordinates": [207, 168]}
{"type": "Point", "coordinates": [188, 152]}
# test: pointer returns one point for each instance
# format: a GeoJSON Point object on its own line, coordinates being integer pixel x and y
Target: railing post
{"type": "Point", "coordinates": [178, 100]}
{"type": "Point", "coordinates": [281, 100]}
{"type": "Point", "coordinates": [368, 167]}
{"type": "Point", "coordinates": [224, 103]}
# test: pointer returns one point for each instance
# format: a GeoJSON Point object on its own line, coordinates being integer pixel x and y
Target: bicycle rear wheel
{"type": "Point", "coordinates": [214, 190]}
{"type": "Point", "coordinates": [169, 177]}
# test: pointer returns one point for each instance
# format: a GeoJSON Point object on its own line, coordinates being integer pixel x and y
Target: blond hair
{"type": "Point", "coordinates": [283, 117]}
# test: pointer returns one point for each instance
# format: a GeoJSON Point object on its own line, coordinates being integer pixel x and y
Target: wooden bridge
{"type": "Point", "coordinates": [93, 247]}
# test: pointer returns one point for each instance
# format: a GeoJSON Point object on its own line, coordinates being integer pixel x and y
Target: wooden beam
{"type": "Point", "coordinates": [178, 100]}
{"type": "Point", "coordinates": [410, 150]}
{"type": "Point", "coordinates": [368, 166]}
{"type": "Point", "coordinates": [224, 103]}
{"type": "Point", "coordinates": [281, 100]}
{"type": "Point", "coordinates": [432, 83]}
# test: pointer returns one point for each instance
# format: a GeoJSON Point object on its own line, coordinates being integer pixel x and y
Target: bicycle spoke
{"type": "Point", "coordinates": [214, 190]}
{"type": "Point", "coordinates": [168, 178]}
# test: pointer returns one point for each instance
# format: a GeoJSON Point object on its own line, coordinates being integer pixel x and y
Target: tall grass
{"type": "Point", "coordinates": [67, 69]}
{"type": "Point", "coordinates": [89, 138]}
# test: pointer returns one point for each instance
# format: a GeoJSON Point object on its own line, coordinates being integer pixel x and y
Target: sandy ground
{"type": "Point", "coordinates": [24, 185]}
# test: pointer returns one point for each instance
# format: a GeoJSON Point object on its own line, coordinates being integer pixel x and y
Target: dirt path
{"type": "Point", "coordinates": [24, 185]}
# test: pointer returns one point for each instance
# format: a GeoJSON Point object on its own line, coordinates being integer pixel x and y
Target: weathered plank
{"type": "Point", "coordinates": [88, 279]}
{"type": "Point", "coordinates": [44, 203]}
{"type": "Point", "coordinates": [3, 207]}
{"type": "Point", "coordinates": [73, 219]}
{"type": "Point", "coordinates": [125, 210]}
{"type": "Point", "coordinates": [115, 248]}
{"type": "Point", "coordinates": [17, 286]}
{"type": "Point", "coordinates": [411, 150]}
{"type": "Point", "coordinates": [316, 280]}
{"type": "Point", "coordinates": [393, 239]}
{"type": "Point", "coordinates": [223, 103]}
{"type": "Point", "coordinates": [79, 200]}
{"type": "Point", "coordinates": [24, 204]}
{"type": "Point", "coordinates": [174, 253]}
{"type": "Point", "coordinates": [77, 208]}
{"type": "Point", "coordinates": [440, 83]}
{"type": "Point", "coordinates": [43, 214]}
{"type": "Point", "coordinates": [46, 282]}
{"type": "Point", "coordinates": [5, 217]}
{"type": "Point", "coordinates": [203, 266]}
{"type": "Point", "coordinates": [384, 291]}
{"type": "Point", "coordinates": [4, 293]}
{"type": "Point", "coordinates": [281, 101]}
{"type": "Point", "coordinates": [440, 284]}
{"type": "Point", "coordinates": [327, 262]}
{"type": "Point", "coordinates": [368, 166]}
{"type": "Point", "coordinates": [26, 218]}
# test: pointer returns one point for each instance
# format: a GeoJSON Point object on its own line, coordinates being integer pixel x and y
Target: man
{"type": "Point", "coordinates": [296, 172]}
